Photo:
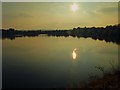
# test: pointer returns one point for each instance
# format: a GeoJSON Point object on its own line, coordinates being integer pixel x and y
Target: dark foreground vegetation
{"type": "Point", "coordinates": [108, 33]}
{"type": "Point", "coordinates": [108, 80]}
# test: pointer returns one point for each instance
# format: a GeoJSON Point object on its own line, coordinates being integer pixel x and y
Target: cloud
{"type": "Point", "coordinates": [25, 15]}
{"type": "Point", "coordinates": [18, 15]}
{"type": "Point", "coordinates": [108, 10]}
{"type": "Point", "coordinates": [92, 13]}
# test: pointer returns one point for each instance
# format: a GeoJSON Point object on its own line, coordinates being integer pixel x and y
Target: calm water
{"type": "Point", "coordinates": [48, 62]}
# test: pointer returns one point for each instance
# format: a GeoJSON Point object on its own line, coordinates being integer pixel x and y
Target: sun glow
{"type": "Point", "coordinates": [74, 7]}
{"type": "Point", "coordinates": [74, 55]}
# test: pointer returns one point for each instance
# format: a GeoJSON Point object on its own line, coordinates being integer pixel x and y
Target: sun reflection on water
{"type": "Point", "coordinates": [74, 55]}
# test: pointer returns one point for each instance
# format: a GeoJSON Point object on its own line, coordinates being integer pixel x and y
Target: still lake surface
{"type": "Point", "coordinates": [47, 62]}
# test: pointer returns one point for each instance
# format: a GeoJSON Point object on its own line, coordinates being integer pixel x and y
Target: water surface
{"type": "Point", "coordinates": [47, 62]}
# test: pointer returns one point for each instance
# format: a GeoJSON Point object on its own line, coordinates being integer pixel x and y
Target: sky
{"type": "Point", "coordinates": [58, 15]}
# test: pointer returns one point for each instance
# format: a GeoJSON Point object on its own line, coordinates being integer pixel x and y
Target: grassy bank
{"type": "Point", "coordinates": [110, 80]}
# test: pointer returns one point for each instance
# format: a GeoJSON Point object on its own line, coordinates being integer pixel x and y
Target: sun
{"type": "Point", "coordinates": [74, 7]}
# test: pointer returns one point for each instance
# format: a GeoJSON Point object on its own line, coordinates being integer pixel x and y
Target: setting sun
{"type": "Point", "coordinates": [74, 7]}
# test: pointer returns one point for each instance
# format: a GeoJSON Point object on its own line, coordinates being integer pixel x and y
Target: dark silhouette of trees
{"type": "Point", "coordinates": [8, 33]}
{"type": "Point", "coordinates": [109, 33]}
{"type": "Point", "coordinates": [12, 33]}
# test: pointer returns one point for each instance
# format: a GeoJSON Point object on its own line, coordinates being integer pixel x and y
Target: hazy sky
{"type": "Point", "coordinates": [54, 15]}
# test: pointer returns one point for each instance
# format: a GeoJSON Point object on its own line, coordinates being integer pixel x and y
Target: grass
{"type": "Point", "coordinates": [109, 80]}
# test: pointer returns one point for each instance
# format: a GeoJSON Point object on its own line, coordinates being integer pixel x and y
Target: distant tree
{"type": "Point", "coordinates": [78, 28]}
{"type": "Point", "coordinates": [11, 29]}
{"type": "Point", "coordinates": [74, 28]}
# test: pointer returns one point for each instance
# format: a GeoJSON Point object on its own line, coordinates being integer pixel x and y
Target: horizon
{"type": "Point", "coordinates": [59, 29]}
{"type": "Point", "coordinates": [58, 16]}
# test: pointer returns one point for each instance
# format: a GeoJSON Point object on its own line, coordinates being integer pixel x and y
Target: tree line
{"type": "Point", "coordinates": [109, 33]}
